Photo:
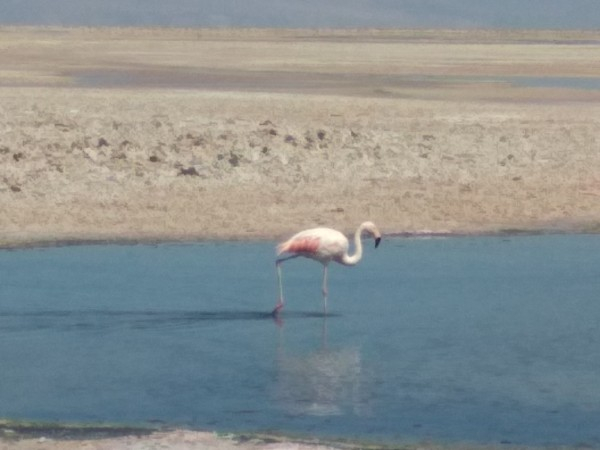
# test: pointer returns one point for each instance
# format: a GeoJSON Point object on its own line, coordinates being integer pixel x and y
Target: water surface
{"type": "Point", "coordinates": [316, 82]}
{"type": "Point", "coordinates": [484, 339]}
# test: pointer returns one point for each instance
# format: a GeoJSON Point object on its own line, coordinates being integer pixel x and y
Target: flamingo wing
{"type": "Point", "coordinates": [305, 244]}
{"type": "Point", "coordinates": [323, 244]}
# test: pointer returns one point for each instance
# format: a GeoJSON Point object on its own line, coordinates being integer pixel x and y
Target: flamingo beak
{"type": "Point", "coordinates": [377, 241]}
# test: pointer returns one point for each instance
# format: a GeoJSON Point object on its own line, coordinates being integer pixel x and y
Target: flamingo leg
{"type": "Point", "coordinates": [324, 288]}
{"type": "Point", "coordinates": [279, 304]}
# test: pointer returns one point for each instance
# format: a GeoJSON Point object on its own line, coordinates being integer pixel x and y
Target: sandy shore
{"type": "Point", "coordinates": [74, 437]}
{"type": "Point", "coordinates": [173, 440]}
{"type": "Point", "coordinates": [191, 134]}
{"type": "Point", "coordinates": [179, 439]}
{"type": "Point", "coordinates": [197, 440]}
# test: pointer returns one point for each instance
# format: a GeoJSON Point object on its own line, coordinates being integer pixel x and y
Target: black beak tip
{"type": "Point", "coordinates": [377, 241]}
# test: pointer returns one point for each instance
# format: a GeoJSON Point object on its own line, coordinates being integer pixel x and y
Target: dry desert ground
{"type": "Point", "coordinates": [251, 133]}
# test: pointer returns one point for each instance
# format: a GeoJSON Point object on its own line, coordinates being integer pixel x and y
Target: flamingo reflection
{"type": "Point", "coordinates": [327, 381]}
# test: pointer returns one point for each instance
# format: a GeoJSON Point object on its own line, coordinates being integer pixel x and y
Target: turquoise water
{"type": "Point", "coordinates": [107, 79]}
{"type": "Point", "coordinates": [481, 339]}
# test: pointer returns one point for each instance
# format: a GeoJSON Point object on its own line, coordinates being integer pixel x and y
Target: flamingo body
{"type": "Point", "coordinates": [320, 244]}
{"type": "Point", "coordinates": [323, 245]}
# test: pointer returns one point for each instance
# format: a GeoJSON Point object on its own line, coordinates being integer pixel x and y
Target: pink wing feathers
{"type": "Point", "coordinates": [322, 244]}
{"type": "Point", "coordinates": [305, 244]}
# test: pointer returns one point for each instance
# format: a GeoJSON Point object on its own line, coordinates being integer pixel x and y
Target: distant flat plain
{"type": "Point", "coordinates": [145, 134]}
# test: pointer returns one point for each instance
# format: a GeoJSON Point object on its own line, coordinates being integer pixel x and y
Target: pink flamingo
{"type": "Point", "coordinates": [323, 245]}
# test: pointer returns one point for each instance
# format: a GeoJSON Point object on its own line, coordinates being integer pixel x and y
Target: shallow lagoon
{"type": "Point", "coordinates": [482, 339]}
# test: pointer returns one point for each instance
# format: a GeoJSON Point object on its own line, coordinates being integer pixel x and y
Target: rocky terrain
{"type": "Point", "coordinates": [127, 164]}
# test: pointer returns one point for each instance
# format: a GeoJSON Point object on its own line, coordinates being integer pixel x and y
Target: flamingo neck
{"type": "Point", "coordinates": [358, 250]}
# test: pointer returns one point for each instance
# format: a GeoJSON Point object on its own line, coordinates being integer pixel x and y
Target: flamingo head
{"type": "Point", "coordinates": [371, 228]}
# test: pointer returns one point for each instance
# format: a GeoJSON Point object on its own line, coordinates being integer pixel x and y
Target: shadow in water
{"type": "Point", "coordinates": [103, 319]}
{"type": "Point", "coordinates": [324, 382]}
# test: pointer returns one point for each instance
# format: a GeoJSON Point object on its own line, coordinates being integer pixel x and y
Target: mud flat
{"type": "Point", "coordinates": [22, 435]}
{"type": "Point", "coordinates": [150, 134]}
{"type": "Point", "coordinates": [38, 436]}
{"type": "Point", "coordinates": [185, 164]}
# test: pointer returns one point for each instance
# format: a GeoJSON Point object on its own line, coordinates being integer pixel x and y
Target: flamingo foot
{"type": "Point", "coordinates": [278, 307]}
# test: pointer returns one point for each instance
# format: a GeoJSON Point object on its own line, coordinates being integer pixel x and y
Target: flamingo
{"type": "Point", "coordinates": [323, 245]}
